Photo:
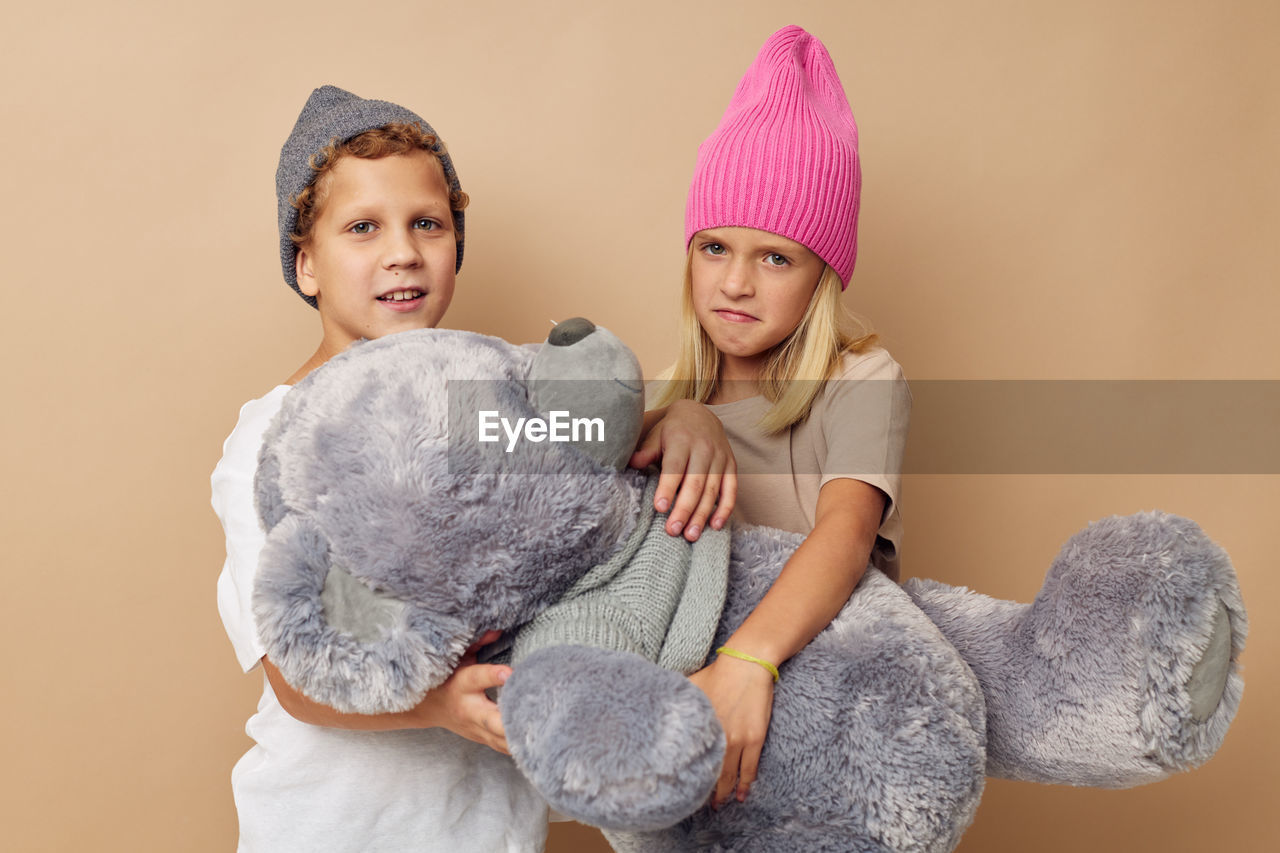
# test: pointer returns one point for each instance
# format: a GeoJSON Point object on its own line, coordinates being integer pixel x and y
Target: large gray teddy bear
{"type": "Point", "coordinates": [409, 509]}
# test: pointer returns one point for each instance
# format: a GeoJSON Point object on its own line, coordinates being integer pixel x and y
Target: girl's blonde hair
{"type": "Point", "coordinates": [797, 368]}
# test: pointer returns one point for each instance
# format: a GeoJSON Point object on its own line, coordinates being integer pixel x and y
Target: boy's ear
{"type": "Point", "coordinates": [302, 271]}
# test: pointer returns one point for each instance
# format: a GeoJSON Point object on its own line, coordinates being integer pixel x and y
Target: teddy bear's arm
{"type": "Point", "coordinates": [335, 640]}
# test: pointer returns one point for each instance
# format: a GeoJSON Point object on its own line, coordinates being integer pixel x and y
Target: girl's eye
{"type": "Point", "coordinates": [713, 249]}
{"type": "Point", "coordinates": [362, 228]}
{"type": "Point", "coordinates": [426, 224]}
{"type": "Point", "coordinates": [777, 260]}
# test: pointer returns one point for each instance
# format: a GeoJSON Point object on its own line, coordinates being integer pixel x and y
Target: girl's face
{"type": "Point", "coordinates": [750, 290]}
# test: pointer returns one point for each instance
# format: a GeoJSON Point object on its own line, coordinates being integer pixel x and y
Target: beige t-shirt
{"type": "Point", "coordinates": [857, 428]}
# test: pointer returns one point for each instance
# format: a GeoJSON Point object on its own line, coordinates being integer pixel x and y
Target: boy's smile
{"type": "Point", "coordinates": [382, 254]}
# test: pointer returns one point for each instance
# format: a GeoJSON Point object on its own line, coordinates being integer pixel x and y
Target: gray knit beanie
{"type": "Point", "coordinates": [334, 114]}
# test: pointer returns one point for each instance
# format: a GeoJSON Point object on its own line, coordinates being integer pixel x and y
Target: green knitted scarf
{"type": "Point", "coordinates": [658, 596]}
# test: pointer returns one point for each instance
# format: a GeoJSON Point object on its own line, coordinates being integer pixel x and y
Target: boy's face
{"type": "Point", "coordinates": [382, 252]}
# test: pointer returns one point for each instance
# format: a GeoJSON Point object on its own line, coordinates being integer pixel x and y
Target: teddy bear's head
{"type": "Point", "coordinates": [423, 488]}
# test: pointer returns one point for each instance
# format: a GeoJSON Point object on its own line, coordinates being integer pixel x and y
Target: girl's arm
{"type": "Point", "coordinates": [696, 457]}
{"type": "Point", "coordinates": [811, 589]}
{"type": "Point", "coordinates": [459, 704]}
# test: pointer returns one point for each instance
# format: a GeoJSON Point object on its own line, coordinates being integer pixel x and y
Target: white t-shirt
{"type": "Point", "coordinates": [313, 789]}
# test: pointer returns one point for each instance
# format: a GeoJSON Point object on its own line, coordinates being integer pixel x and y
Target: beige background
{"type": "Point", "coordinates": [1082, 190]}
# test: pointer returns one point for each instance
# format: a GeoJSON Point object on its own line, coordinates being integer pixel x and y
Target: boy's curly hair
{"type": "Point", "coordinates": [385, 141]}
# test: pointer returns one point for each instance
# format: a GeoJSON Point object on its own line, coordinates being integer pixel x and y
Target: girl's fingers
{"type": "Point", "coordinates": [707, 502]}
{"type": "Point", "coordinates": [747, 772]}
{"type": "Point", "coordinates": [695, 458]}
{"type": "Point", "coordinates": [691, 490]}
{"type": "Point", "coordinates": [728, 496]}
{"type": "Point", "coordinates": [674, 463]}
{"type": "Point", "coordinates": [649, 451]}
{"type": "Point", "coordinates": [728, 775]}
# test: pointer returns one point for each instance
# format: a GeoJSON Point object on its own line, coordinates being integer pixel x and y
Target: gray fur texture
{"type": "Point", "coordinates": [620, 744]}
{"type": "Point", "coordinates": [877, 740]}
{"type": "Point", "coordinates": [1135, 634]}
{"type": "Point", "coordinates": [358, 472]}
{"type": "Point", "coordinates": [392, 545]}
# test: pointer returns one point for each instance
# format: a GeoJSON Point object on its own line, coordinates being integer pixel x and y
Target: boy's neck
{"type": "Point", "coordinates": [318, 358]}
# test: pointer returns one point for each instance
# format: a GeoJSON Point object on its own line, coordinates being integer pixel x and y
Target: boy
{"type": "Point", "coordinates": [371, 234]}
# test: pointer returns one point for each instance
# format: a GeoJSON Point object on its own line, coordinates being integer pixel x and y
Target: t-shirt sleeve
{"type": "Point", "coordinates": [233, 501]}
{"type": "Point", "coordinates": [865, 414]}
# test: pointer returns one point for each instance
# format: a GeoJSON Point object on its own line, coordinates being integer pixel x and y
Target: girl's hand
{"type": "Point", "coordinates": [696, 457]}
{"type": "Point", "coordinates": [742, 694]}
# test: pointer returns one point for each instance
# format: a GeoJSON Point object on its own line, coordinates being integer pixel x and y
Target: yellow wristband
{"type": "Point", "coordinates": [734, 653]}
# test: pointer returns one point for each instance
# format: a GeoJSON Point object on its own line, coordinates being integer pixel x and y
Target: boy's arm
{"type": "Point", "coordinates": [811, 589]}
{"type": "Point", "coordinates": [459, 705]}
{"type": "Point", "coordinates": [696, 458]}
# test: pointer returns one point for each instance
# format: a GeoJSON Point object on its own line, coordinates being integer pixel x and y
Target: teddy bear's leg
{"type": "Point", "coordinates": [1122, 671]}
{"type": "Point", "coordinates": [611, 739]}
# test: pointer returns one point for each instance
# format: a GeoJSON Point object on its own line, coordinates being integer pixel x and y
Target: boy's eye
{"type": "Point", "coordinates": [362, 228]}
{"type": "Point", "coordinates": [777, 260]}
{"type": "Point", "coordinates": [426, 224]}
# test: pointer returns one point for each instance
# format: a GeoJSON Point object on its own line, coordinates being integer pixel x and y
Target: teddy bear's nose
{"type": "Point", "coordinates": [569, 332]}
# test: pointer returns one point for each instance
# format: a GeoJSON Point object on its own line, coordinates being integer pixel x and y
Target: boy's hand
{"type": "Point", "coordinates": [742, 694]}
{"type": "Point", "coordinates": [697, 459]}
{"type": "Point", "coordinates": [461, 705]}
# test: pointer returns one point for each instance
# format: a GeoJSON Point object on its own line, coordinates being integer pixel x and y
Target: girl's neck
{"type": "Point", "coordinates": [739, 379]}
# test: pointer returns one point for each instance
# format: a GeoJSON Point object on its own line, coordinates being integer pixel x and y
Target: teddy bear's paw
{"type": "Point", "coordinates": [609, 738]}
{"type": "Point", "coordinates": [1122, 671]}
{"type": "Point", "coordinates": [339, 641]}
{"type": "Point", "coordinates": [1169, 597]}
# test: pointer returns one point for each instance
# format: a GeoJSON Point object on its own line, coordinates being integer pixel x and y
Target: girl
{"type": "Point", "coordinates": [771, 231]}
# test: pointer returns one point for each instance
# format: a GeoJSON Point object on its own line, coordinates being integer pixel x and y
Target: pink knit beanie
{"type": "Point", "coordinates": [785, 156]}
